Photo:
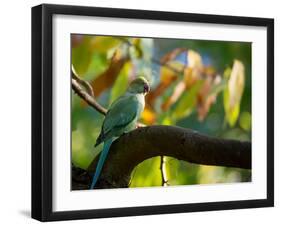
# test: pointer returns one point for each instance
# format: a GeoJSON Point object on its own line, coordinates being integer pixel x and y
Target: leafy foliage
{"type": "Point", "coordinates": [197, 84]}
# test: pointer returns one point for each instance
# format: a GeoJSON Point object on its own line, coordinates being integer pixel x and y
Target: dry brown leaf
{"type": "Point", "coordinates": [179, 89]}
{"type": "Point", "coordinates": [76, 40]}
{"type": "Point", "coordinates": [108, 77]}
{"type": "Point", "coordinates": [204, 99]}
{"type": "Point", "coordinates": [167, 77]}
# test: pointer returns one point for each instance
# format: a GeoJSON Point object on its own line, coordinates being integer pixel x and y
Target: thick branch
{"type": "Point", "coordinates": [183, 144]}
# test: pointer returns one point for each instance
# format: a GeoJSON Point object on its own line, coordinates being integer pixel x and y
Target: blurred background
{"type": "Point", "coordinates": [196, 84]}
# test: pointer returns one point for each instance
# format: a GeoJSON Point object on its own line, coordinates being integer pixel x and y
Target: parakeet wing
{"type": "Point", "coordinates": [122, 112]}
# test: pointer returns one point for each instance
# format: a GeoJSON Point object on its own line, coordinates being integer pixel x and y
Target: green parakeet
{"type": "Point", "coordinates": [121, 117]}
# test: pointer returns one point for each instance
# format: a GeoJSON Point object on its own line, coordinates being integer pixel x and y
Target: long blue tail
{"type": "Point", "coordinates": [102, 158]}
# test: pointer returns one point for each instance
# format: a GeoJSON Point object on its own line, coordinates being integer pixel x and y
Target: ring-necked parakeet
{"type": "Point", "coordinates": [121, 117]}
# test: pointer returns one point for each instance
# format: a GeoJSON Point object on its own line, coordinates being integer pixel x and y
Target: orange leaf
{"type": "Point", "coordinates": [204, 99]}
{"type": "Point", "coordinates": [108, 77]}
{"type": "Point", "coordinates": [167, 77]}
{"type": "Point", "coordinates": [190, 78]}
{"type": "Point", "coordinates": [148, 116]}
{"type": "Point", "coordinates": [179, 89]}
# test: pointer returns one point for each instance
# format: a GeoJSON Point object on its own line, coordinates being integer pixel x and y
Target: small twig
{"type": "Point", "coordinates": [175, 70]}
{"type": "Point", "coordinates": [86, 84]}
{"type": "Point", "coordinates": [162, 169]}
{"type": "Point", "coordinates": [87, 96]}
{"type": "Point", "coordinates": [154, 60]}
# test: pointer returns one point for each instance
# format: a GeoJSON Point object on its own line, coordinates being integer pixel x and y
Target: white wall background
{"type": "Point", "coordinates": [15, 93]}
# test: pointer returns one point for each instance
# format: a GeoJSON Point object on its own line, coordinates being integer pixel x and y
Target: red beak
{"type": "Point", "coordinates": [146, 88]}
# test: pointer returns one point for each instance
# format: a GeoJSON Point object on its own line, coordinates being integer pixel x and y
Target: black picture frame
{"type": "Point", "coordinates": [42, 107]}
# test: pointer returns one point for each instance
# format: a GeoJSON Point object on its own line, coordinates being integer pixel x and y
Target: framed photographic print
{"type": "Point", "coordinates": [145, 112]}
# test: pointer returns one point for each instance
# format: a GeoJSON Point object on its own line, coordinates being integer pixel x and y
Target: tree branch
{"type": "Point", "coordinates": [87, 95]}
{"type": "Point", "coordinates": [86, 85]}
{"type": "Point", "coordinates": [183, 144]}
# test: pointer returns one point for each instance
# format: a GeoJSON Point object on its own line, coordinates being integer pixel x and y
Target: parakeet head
{"type": "Point", "coordinates": [139, 85]}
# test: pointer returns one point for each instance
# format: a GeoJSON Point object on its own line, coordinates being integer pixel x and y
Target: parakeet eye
{"type": "Point", "coordinates": [145, 88]}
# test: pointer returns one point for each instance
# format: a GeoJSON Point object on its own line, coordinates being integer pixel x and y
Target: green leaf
{"type": "Point", "coordinates": [227, 72]}
{"type": "Point", "coordinates": [245, 121]}
{"type": "Point", "coordinates": [176, 172]}
{"type": "Point", "coordinates": [167, 121]}
{"type": "Point", "coordinates": [233, 92]}
{"type": "Point", "coordinates": [187, 101]}
{"type": "Point", "coordinates": [231, 113]}
{"type": "Point", "coordinates": [102, 44]}
{"type": "Point", "coordinates": [98, 64]}
{"type": "Point", "coordinates": [84, 137]}
{"type": "Point", "coordinates": [147, 173]}
{"type": "Point", "coordinates": [81, 56]}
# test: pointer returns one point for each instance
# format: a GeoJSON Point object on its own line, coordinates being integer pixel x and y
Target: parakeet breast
{"type": "Point", "coordinates": [141, 101]}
